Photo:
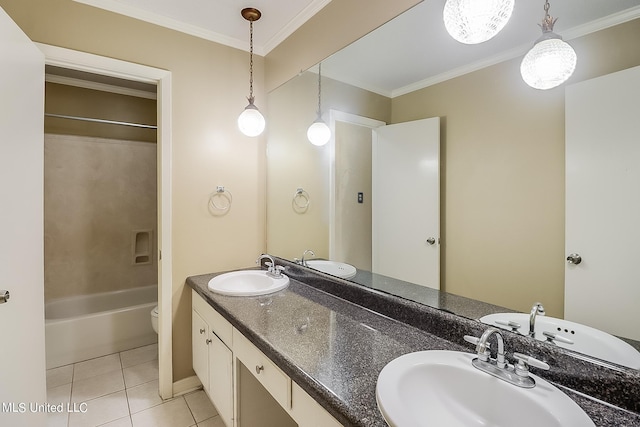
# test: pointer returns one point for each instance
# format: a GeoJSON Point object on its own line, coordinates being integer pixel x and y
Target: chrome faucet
{"type": "Point", "coordinates": [304, 254]}
{"type": "Point", "coordinates": [536, 310]}
{"type": "Point", "coordinates": [517, 374]}
{"type": "Point", "coordinates": [273, 270]}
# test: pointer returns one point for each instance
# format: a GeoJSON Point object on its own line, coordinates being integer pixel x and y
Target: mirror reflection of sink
{"type": "Point", "coordinates": [442, 388]}
{"type": "Point", "coordinates": [335, 268]}
{"type": "Point", "coordinates": [247, 283]}
{"type": "Point", "coordinates": [586, 339]}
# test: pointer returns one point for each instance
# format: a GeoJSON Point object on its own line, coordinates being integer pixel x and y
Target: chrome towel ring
{"type": "Point", "coordinates": [221, 200]}
{"type": "Point", "coordinates": [301, 200]}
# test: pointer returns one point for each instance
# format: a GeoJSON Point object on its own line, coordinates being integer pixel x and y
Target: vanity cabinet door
{"type": "Point", "coordinates": [221, 378]}
{"type": "Point", "coordinates": [199, 338]}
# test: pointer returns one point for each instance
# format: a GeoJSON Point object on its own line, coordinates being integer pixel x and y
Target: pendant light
{"type": "Point", "coordinates": [319, 133]}
{"type": "Point", "coordinates": [476, 21]}
{"type": "Point", "coordinates": [551, 61]}
{"type": "Point", "coordinates": [251, 122]}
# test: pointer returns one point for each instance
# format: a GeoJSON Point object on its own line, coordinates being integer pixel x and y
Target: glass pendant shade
{"type": "Point", "coordinates": [251, 122]}
{"type": "Point", "coordinates": [549, 63]}
{"type": "Point", "coordinates": [319, 133]}
{"type": "Point", "coordinates": [476, 21]}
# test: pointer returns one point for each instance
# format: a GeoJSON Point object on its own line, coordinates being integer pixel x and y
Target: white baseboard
{"type": "Point", "coordinates": [186, 385]}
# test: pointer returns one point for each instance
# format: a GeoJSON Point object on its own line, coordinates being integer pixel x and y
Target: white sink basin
{"type": "Point", "coordinates": [442, 388]}
{"type": "Point", "coordinates": [247, 283]}
{"type": "Point", "coordinates": [338, 269]}
{"type": "Point", "coordinates": [586, 340]}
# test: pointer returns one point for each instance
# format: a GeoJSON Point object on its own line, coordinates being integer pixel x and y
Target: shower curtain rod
{"type": "Point", "coordinates": [110, 122]}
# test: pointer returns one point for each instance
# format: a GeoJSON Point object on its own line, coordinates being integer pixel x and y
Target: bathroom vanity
{"type": "Point", "coordinates": [310, 354]}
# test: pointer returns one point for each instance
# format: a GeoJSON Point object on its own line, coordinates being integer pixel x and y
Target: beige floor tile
{"type": "Point", "coordinates": [102, 410]}
{"type": "Point", "coordinates": [140, 374]}
{"type": "Point", "coordinates": [174, 413]}
{"type": "Point", "coordinates": [60, 394]}
{"type": "Point", "coordinates": [212, 422]}
{"type": "Point", "coordinates": [143, 396]}
{"type": "Point", "coordinates": [95, 367]}
{"type": "Point", "coordinates": [200, 405]}
{"type": "Point", "coordinates": [139, 355]}
{"type": "Point", "coordinates": [122, 422]}
{"type": "Point", "coordinates": [59, 376]}
{"type": "Point", "coordinates": [97, 386]}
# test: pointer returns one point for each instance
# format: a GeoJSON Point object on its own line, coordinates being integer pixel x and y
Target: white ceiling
{"type": "Point", "coordinates": [220, 20]}
{"type": "Point", "coordinates": [410, 52]}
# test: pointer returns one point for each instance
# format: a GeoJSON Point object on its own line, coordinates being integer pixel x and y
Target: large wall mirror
{"type": "Point", "coordinates": [501, 162]}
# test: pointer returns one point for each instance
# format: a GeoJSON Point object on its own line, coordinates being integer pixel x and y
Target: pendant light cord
{"type": "Point", "coordinates": [251, 61]}
{"type": "Point", "coordinates": [319, 88]}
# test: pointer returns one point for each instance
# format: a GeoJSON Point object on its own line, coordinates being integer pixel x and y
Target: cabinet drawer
{"type": "Point", "coordinates": [276, 382]}
{"type": "Point", "coordinates": [218, 324]}
{"type": "Point", "coordinates": [307, 412]}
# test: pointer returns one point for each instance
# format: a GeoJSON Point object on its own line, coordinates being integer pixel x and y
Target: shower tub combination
{"type": "Point", "coordinates": [87, 326]}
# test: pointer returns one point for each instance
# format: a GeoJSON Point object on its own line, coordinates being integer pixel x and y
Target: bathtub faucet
{"type": "Point", "coordinates": [273, 270]}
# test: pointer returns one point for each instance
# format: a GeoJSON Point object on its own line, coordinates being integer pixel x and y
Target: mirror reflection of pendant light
{"type": "Point", "coordinates": [319, 133]}
{"type": "Point", "coordinates": [251, 122]}
{"type": "Point", "coordinates": [551, 61]}
{"type": "Point", "coordinates": [476, 21]}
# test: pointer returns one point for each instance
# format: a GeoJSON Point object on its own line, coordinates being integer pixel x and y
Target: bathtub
{"type": "Point", "coordinates": [87, 326]}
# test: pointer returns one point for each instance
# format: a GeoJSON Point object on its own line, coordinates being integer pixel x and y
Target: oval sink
{"type": "Point", "coordinates": [335, 268]}
{"type": "Point", "coordinates": [442, 388]}
{"type": "Point", "coordinates": [247, 283]}
{"type": "Point", "coordinates": [586, 340]}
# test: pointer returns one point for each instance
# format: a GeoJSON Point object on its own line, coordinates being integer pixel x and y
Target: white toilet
{"type": "Point", "coordinates": [154, 319]}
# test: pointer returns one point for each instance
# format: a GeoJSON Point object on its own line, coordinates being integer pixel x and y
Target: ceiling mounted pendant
{"type": "Point", "coordinates": [476, 21]}
{"type": "Point", "coordinates": [551, 61]}
{"type": "Point", "coordinates": [319, 133]}
{"type": "Point", "coordinates": [251, 122]}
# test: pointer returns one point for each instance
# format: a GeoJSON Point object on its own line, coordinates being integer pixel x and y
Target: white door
{"type": "Point", "coordinates": [603, 202]}
{"type": "Point", "coordinates": [406, 201]}
{"type": "Point", "coordinates": [22, 356]}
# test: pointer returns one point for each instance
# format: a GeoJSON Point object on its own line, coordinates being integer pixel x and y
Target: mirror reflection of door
{"type": "Point", "coordinates": [406, 201]}
{"type": "Point", "coordinates": [603, 202]}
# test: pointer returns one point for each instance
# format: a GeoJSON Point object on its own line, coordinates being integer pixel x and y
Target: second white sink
{"type": "Point", "coordinates": [442, 388]}
{"type": "Point", "coordinates": [247, 283]}
{"type": "Point", "coordinates": [335, 268]}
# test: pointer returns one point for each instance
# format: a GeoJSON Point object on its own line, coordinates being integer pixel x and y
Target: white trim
{"type": "Point", "coordinates": [186, 385]}
{"type": "Point", "coordinates": [104, 87]}
{"type": "Point", "coordinates": [339, 116]}
{"type": "Point", "coordinates": [66, 58]}
{"type": "Point", "coordinates": [570, 34]}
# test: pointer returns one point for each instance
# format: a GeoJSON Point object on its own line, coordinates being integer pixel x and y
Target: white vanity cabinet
{"type": "Point", "coordinates": [222, 354]}
{"type": "Point", "coordinates": [212, 357]}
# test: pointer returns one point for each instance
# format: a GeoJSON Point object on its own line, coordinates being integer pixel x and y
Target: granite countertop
{"type": "Point", "coordinates": [335, 349]}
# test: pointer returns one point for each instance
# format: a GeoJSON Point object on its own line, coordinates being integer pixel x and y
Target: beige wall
{"type": "Point", "coordinates": [209, 88]}
{"type": "Point", "coordinates": [294, 162]}
{"type": "Point", "coordinates": [97, 194]}
{"type": "Point", "coordinates": [503, 173]}
{"type": "Point", "coordinates": [353, 175]}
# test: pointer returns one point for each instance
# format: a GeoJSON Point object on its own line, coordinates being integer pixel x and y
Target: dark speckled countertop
{"type": "Point", "coordinates": [335, 349]}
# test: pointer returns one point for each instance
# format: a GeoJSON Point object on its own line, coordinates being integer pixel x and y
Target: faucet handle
{"type": "Point", "coordinates": [551, 338]}
{"type": "Point", "coordinates": [471, 339]}
{"type": "Point", "coordinates": [524, 361]}
{"type": "Point", "coordinates": [484, 354]}
{"type": "Point", "coordinates": [509, 323]}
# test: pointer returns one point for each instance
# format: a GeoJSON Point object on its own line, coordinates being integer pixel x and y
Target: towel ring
{"type": "Point", "coordinates": [221, 193]}
{"type": "Point", "coordinates": [301, 194]}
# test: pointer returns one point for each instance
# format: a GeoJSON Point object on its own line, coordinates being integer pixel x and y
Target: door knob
{"type": "Point", "coordinates": [574, 259]}
{"type": "Point", "coordinates": [431, 241]}
{"type": "Point", "coordinates": [4, 296]}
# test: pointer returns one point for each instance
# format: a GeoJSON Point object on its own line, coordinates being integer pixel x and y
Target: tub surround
{"type": "Point", "coordinates": [333, 338]}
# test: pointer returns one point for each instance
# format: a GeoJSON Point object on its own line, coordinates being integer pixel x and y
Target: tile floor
{"type": "Point", "coordinates": [121, 390]}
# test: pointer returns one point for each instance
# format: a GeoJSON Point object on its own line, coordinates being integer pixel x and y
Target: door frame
{"type": "Point", "coordinates": [340, 116]}
{"type": "Point", "coordinates": [81, 61]}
